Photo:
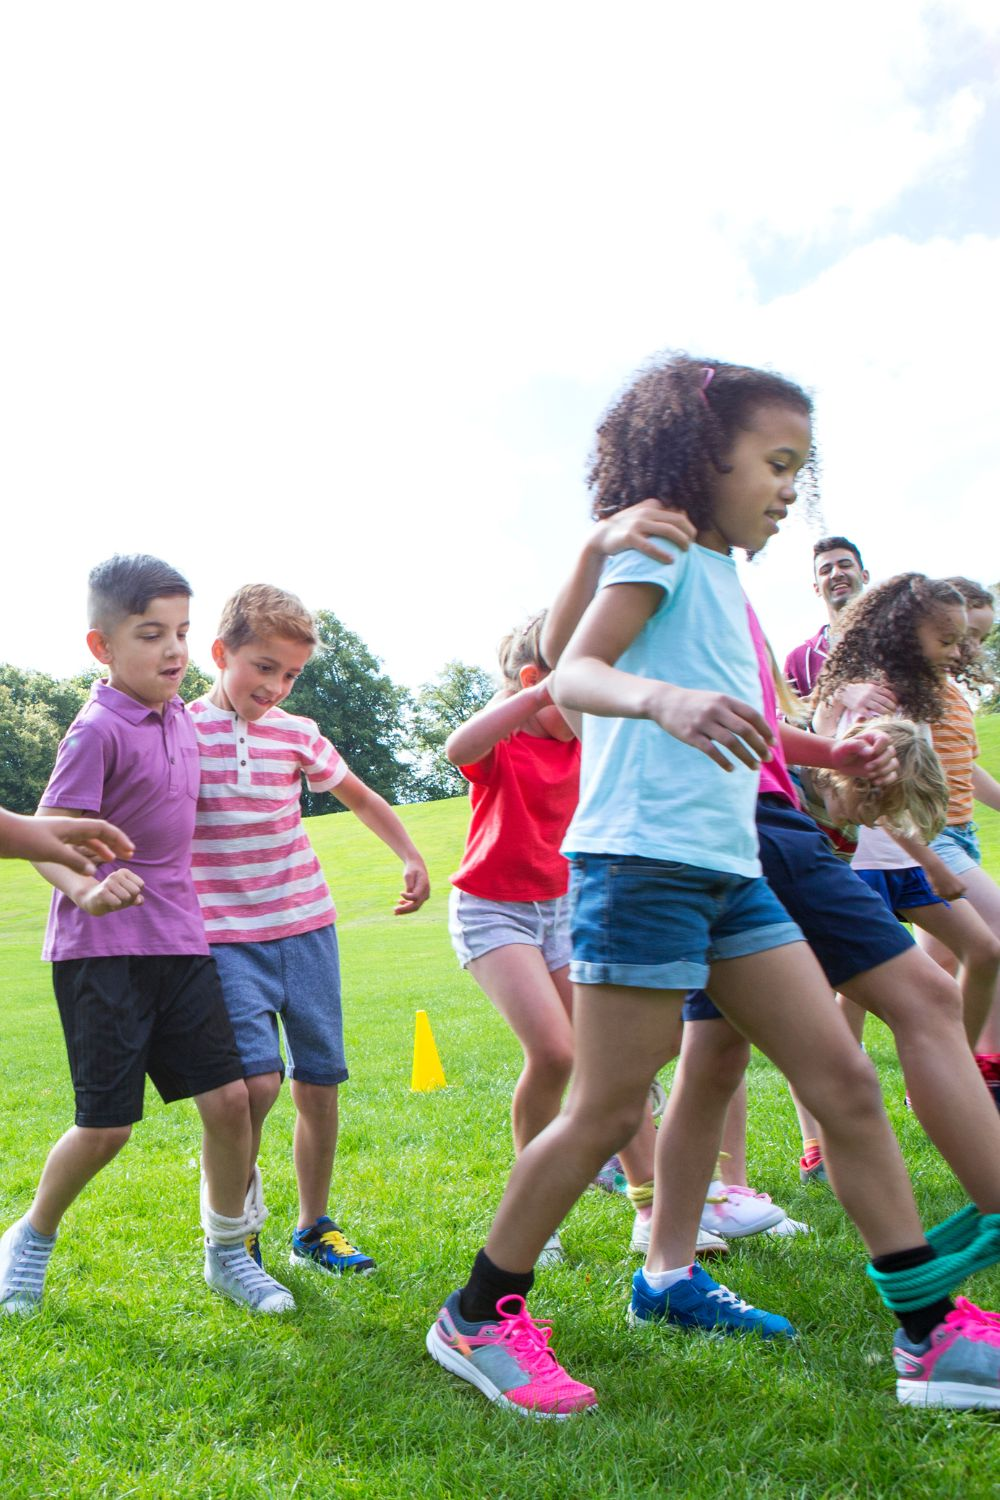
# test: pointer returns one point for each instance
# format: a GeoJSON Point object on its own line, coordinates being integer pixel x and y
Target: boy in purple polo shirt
{"type": "Point", "coordinates": [138, 994]}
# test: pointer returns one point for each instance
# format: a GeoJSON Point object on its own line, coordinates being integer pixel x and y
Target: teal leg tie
{"type": "Point", "coordinates": [905, 1290]}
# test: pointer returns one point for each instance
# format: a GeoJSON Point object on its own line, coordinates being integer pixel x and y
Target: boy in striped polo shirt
{"type": "Point", "coordinates": [267, 909]}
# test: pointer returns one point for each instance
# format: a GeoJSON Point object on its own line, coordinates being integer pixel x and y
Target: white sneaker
{"type": "Point", "coordinates": [735, 1212]}
{"type": "Point", "coordinates": [787, 1226]}
{"type": "Point", "coordinates": [552, 1251]}
{"type": "Point", "coordinates": [705, 1244]}
{"type": "Point", "coordinates": [24, 1259]}
{"type": "Point", "coordinates": [231, 1271]}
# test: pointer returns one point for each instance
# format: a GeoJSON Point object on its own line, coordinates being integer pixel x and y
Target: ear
{"type": "Point", "coordinates": [99, 647]}
{"type": "Point", "coordinates": [865, 575]}
{"type": "Point", "coordinates": [815, 586]}
{"type": "Point", "coordinates": [529, 676]}
{"type": "Point", "coordinates": [219, 654]}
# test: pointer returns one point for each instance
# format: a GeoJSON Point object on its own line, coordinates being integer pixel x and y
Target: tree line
{"type": "Point", "coordinates": [392, 738]}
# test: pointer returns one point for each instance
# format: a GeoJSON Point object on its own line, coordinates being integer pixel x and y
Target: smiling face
{"type": "Point", "coordinates": [839, 578]}
{"type": "Point", "coordinates": [980, 622]}
{"type": "Point", "coordinates": [258, 675]}
{"type": "Point", "coordinates": [750, 502]}
{"type": "Point", "coordinates": [147, 655]}
{"type": "Point", "coordinates": [940, 635]}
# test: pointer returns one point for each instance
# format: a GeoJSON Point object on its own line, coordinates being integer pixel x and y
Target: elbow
{"type": "Point", "coordinates": [561, 687]}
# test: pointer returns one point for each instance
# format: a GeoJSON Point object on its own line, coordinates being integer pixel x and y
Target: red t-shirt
{"type": "Point", "coordinates": [523, 795]}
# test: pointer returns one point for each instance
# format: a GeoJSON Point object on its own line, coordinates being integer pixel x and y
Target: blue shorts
{"type": "Point", "coordinates": [659, 925]}
{"type": "Point", "coordinates": [844, 922]}
{"type": "Point", "coordinates": [477, 926]}
{"type": "Point", "coordinates": [298, 979]}
{"type": "Point", "coordinates": [958, 846]}
{"type": "Point", "coordinates": [902, 890]}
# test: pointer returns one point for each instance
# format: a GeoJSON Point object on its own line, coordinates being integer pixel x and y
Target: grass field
{"type": "Point", "coordinates": [135, 1381]}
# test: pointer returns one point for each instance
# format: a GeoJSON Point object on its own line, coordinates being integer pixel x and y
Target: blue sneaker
{"type": "Point", "coordinates": [322, 1245]}
{"type": "Point", "coordinates": [700, 1302]}
{"type": "Point", "coordinates": [252, 1247]}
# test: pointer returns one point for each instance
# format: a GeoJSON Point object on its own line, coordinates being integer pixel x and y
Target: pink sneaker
{"type": "Point", "coordinates": [510, 1361]}
{"type": "Point", "coordinates": [958, 1366]}
{"type": "Point", "coordinates": [735, 1212]}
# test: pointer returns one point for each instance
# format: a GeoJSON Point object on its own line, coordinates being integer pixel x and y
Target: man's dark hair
{"type": "Point", "coordinates": [831, 544]}
{"type": "Point", "coordinates": [124, 585]}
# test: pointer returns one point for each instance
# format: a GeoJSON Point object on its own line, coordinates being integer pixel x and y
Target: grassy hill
{"type": "Point", "coordinates": [135, 1380]}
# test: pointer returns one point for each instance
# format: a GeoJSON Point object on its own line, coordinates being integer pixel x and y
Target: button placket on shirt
{"type": "Point", "coordinates": [242, 734]}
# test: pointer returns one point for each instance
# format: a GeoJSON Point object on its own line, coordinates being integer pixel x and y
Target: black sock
{"type": "Point", "coordinates": [918, 1322]}
{"type": "Point", "coordinates": [487, 1283]}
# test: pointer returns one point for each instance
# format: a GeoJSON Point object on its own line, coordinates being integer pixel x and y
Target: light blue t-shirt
{"type": "Point", "coordinates": [642, 791]}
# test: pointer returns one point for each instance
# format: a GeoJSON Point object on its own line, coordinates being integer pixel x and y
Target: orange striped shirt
{"type": "Point", "coordinates": [955, 741]}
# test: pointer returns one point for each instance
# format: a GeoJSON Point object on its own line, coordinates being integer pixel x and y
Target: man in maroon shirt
{"type": "Point", "coordinates": [838, 577]}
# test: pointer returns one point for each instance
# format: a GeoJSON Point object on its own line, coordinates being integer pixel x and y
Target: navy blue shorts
{"type": "Point", "coordinates": [901, 890]}
{"type": "Point", "coordinates": [847, 925]}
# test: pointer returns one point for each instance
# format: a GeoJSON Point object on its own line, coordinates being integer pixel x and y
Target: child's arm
{"type": "Point", "coordinates": [985, 789]}
{"type": "Point", "coordinates": [868, 700]}
{"type": "Point", "coordinates": [95, 897]}
{"type": "Point", "coordinates": [476, 737]}
{"type": "Point", "coordinates": [377, 815]}
{"type": "Point", "coordinates": [78, 843]}
{"type": "Point", "coordinates": [588, 680]}
{"type": "Point", "coordinates": [640, 528]}
{"type": "Point", "coordinates": [869, 754]}
{"type": "Point", "coordinates": [944, 882]}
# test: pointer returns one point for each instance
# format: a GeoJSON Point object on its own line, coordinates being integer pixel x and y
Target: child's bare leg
{"type": "Point", "coordinates": [734, 1133]}
{"type": "Point", "coordinates": [225, 1150]}
{"type": "Point", "coordinates": [315, 1145]}
{"type": "Point", "coordinates": [977, 949]}
{"type": "Point", "coordinates": [781, 1001]}
{"type": "Point", "coordinates": [854, 1015]}
{"type": "Point", "coordinates": [537, 1006]}
{"type": "Point", "coordinates": [938, 952]}
{"type": "Point", "coordinates": [983, 895]}
{"type": "Point", "coordinates": [263, 1089]}
{"type": "Point", "coordinates": [622, 1037]}
{"type": "Point", "coordinates": [637, 1158]}
{"type": "Point", "coordinates": [77, 1157]}
{"type": "Point", "coordinates": [712, 1063]}
{"type": "Point", "coordinates": [923, 1007]}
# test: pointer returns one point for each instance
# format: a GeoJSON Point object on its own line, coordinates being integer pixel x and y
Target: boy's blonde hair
{"type": "Point", "coordinates": [258, 610]}
{"type": "Point", "coordinates": [916, 803]}
{"type": "Point", "coordinates": [522, 648]}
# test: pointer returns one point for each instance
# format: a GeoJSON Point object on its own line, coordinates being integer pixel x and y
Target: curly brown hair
{"type": "Point", "coordinates": [977, 671]}
{"type": "Point", "coordinates": [880, 644]}
{"type": "Point", "coordinates": [674, 424]}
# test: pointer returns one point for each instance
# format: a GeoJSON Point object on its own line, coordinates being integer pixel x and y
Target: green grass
{"type": "Point", "coordinates": [135, 1380]}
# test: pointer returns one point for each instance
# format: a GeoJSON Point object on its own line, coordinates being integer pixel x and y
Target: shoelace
{"type": "Point", "coordinates": [986, 1324]}
{"type": "Point", "coordinates": [246, 1271]}
{"type": "Point", "coordinates": [528, 1338]}
{"type": "Point", "coordinates": [742, 1192]}
{"type": "Point", "coordinates": [338, 1244]}
{"type": "Point", "coordinates": [27, 1274]}
{"type": "Point", "coordinates": [723, 1294]}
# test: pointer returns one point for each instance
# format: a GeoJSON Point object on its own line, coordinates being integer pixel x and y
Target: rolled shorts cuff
{"type": "Point", "coordinates": [257, 1067]}
{"type": "Point", "coordinates": [683, 974]}
{"type": "Point", "coordinates": [756, 940]}
{"type": "Point", "coordinates": [321, 1081]}
{"type": "Point", "coordinates": [953, 850]}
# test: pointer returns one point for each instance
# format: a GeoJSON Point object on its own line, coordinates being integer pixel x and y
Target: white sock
{"type": "Point", "coordinates": [45, 1240]}
{"type": "Point", "coordinates": [661, 1280]}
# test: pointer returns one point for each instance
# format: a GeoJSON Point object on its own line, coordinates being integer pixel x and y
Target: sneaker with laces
{"type": "Point", "coordinates": [705, 1244]}
{"type": "Point", "coordinates": [509, 1360]}
{"type": "Point", "coordinates": [325, 1248]}
{"type": "Point", "coordinates": [552, 1252]}
{"type": "Point", "coordinates": [957, 1366]}
{"type": "Point", "coordinates": [252, 1247]}
{"type": "Point", "coordinates": [24, 1259]}
{"type": "Point", "coordinates": [735, 1212]}
{"type": "Point", "coordinates": [788, 1227]}
{"type": "Point", "coordinates": [231, 1271]}
{"type": "Point", "coordinates": [813, 1172]}
{"type": "Point", "coordinates": [700, 1302]}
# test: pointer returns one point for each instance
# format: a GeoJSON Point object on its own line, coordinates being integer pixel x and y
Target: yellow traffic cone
{"type": "Point", "coordinates": [427, 1070]}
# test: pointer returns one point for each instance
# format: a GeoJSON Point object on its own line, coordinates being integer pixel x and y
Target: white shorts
{"type": "Point", "coordinates": [477, 926]}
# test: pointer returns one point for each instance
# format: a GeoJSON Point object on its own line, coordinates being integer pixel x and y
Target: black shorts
{"type": "Point", "coordinates": [848, 927]}
{"type": "Point", "coordinates": [124, 1017]}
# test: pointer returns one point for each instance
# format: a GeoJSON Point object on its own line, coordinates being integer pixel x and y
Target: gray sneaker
{"type": "Point", "coordinates": [24, 1259]}
{"type": "Point", "coordinates": [231, 1271]}
{"type": "Point", "coordinates": [957, 1366]}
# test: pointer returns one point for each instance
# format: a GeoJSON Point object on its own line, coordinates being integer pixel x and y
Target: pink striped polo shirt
{"type": "Point", "coordinates": [254, 869]}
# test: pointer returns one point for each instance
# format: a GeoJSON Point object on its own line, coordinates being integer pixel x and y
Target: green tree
{"type": "Point", "coordinates": [196, 683]}
{"type": "Point", "coordinates": [29, 738]}
{"type": "Point", "coordinates": [440, 707]}
{"type": "Point", "coordinates": [359, 708]}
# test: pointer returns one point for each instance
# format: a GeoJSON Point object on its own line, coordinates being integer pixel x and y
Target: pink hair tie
{"type": "Point", "coordinates": [708, 374]}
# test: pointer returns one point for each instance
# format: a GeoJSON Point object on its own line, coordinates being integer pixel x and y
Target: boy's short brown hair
{"type": "Point", "coordinates": [258, 610]}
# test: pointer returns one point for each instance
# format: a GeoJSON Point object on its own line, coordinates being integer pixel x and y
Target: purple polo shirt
{"type": "Point", "coordinates": [806, 662]}
{"type": "Point", "coordinates": [139, 769]}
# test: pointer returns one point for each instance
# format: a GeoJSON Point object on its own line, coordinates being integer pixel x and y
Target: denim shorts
{"type": "Point", "coordinates": [477, 926]}
{"type": "Point", "coordinates": [298, 979]}
{"type": "Point", "coordinates": [845, 923]}
{"type": "Point", "coordinates": [656, 924]}
{"type": "Point", "coordinates": [958, 846]}
{"type": "Point", "coordinates": [902, 890]}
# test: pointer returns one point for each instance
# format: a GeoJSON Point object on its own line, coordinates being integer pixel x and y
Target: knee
{"type": "Point", "coordinates": [984, 954]}
{"type": "Point", "coordinates": [939, 1001]}
{"type": "Point", "coordinates": [717, 1059]}
{"type": "Point", "coordinates": [262, 1091]}
{"type": "Point", "coordinates": [852, 1086]}
{"type": "Point", "coordinates": [227, 1108]}
{"type": "Point", "coordinates": [551, 1063]}
{"type": "Point", "coordinates": [316, 1101]}
{"type": "Point", "coordinates": [104, 1143]}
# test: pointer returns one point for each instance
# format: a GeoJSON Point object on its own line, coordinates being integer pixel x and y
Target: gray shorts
{"type": "Point", "coordinates": [958, 846]}
{"type": "Point", "coordinates": [477, 926]}
{"type": "Point", "coordinates": [298, 979]}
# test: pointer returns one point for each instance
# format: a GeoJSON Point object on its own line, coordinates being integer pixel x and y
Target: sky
{"type": "Point", "coordinates": [333, 296]}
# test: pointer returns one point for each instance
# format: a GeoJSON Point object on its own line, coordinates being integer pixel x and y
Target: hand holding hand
{"type": "Point", "coordinates": [869, 755]}
{"type": "Point", "coordinates": [119, 889]}
{"type": "Point", "coordinates": [944, 882]}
